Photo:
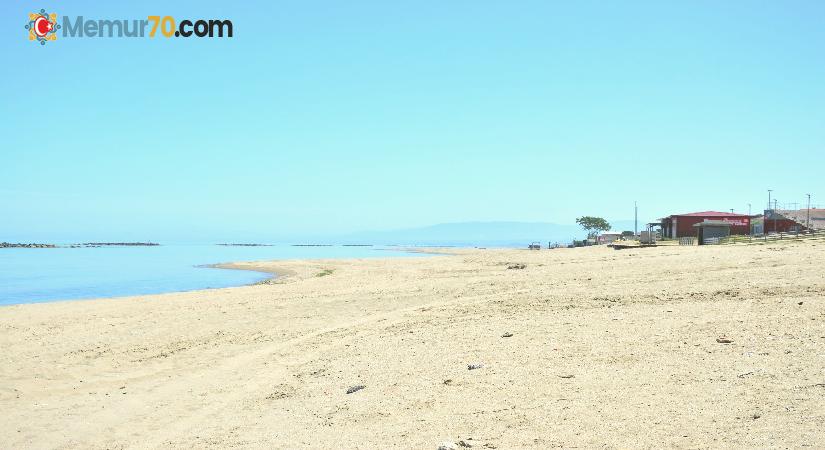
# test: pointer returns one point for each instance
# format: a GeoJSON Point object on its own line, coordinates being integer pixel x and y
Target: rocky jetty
{"type": "Point", "coordinates": [10, 245]}
{"type": "Point", "coordinates": [87, 244]}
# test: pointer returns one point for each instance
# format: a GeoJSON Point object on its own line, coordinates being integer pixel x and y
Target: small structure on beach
{"type": "Point", "coordinates": [649, 236]}
{"type": "Point", "coordinates": [609, 237]}
{"type": "Point", "coordinates": [711, 230]}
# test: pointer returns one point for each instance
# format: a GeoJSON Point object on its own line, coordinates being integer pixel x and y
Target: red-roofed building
{"type": "Point", "coordinates": [788, 221]}
{"type": "Point", "coordinates": [681, 225]}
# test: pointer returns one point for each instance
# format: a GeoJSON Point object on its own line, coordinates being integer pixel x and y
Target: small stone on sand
{"type": "Point", "coordinates": [354, 389]}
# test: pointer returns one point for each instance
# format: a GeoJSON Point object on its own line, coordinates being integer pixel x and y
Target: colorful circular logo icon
{"type": "Point", "coordinates": [42, 26]}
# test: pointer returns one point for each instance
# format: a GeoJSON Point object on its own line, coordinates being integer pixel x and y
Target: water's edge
{"type": "Point", "coordinates": [91, 274]}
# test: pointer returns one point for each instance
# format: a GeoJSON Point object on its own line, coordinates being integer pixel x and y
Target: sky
{"type": "Point", "coordinates": [326, 117]}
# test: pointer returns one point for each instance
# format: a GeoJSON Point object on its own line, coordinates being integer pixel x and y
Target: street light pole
{"type": "Point", "coordinates": [775, 230]}
{"type": "Point", "coordinates": [808, 220]}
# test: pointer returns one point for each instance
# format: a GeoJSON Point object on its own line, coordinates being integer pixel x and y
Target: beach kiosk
{"type": "Point", "coordinates": [710, 231]}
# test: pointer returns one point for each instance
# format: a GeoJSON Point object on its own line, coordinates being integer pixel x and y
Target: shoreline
{"type": "Point", "coordinates": [633, 346]}
{"type": "Point", "coordinates": [255, 266]}
{"type": "Point", "coordinates": [270, 274]}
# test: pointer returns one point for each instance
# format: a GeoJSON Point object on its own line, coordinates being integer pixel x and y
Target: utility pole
{"type": "Point", "coordinates": [765, 219]}
{"type": "Point", "coordinates": [808, 220]}
{"type": "Point", "coordinates": [731, 210]}
{"type": "Point", "coordinates": [749, 209]}
{"type": "Point", "coordinates": [635, 218]}
{"type": "Point", "coordinates": [775, 230]}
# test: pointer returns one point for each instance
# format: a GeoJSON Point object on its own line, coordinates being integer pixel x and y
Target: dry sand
{"type": "Point", "coordinates": [609, 349]}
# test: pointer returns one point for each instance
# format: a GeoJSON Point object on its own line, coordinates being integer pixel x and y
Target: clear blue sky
{"type": "Point", "coordinates": [330, 117]}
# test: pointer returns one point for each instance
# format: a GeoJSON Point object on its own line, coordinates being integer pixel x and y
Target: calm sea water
{"type": "Point", "coordinates": [31, 275]}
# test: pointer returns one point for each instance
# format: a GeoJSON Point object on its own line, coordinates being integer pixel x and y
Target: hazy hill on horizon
{"type": "Point", "coordinates": [470, 233]}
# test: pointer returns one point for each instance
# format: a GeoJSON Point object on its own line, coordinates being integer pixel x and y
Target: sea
{"type": "Point", "coordinates": [34, 275]}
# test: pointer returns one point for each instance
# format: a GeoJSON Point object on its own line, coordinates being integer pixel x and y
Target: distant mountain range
{"type": "Point", "coordinates": [498, 234]}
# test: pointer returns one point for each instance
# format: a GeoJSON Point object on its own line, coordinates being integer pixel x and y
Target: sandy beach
{"type": "Point", "coordinates": [587, 348]}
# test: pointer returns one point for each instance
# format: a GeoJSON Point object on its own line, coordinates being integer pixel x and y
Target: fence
{"type": "Point", "coordinates": [773, 237]}
{"type": "Point", "coordinates": [687, 240]}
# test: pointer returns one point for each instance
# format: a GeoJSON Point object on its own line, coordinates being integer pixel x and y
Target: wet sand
{"type": "Point", "coordinates": [604, 348]}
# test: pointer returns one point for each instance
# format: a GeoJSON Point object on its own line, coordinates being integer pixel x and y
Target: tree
{"type": "Point", "coordinates": [593, 225]}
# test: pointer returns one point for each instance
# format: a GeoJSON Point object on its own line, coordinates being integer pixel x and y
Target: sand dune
{"type": "Point", "coordinates": [607, 349]}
